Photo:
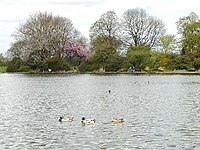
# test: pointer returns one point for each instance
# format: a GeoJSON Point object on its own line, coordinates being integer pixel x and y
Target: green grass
{"type": "Point", "coordinates": [3, 69]}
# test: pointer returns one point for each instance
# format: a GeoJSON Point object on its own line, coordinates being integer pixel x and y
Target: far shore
{"type": "Point", "coordinates": [174, 72]}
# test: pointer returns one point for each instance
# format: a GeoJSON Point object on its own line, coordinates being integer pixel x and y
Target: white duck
{"type": "Point", "coordinates": [88, 121]}
{"type": "Point", "coordinates": [65, 119]}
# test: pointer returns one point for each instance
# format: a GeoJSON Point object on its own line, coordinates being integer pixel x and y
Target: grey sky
{"type": "Point", "coordinates": [85, 12]}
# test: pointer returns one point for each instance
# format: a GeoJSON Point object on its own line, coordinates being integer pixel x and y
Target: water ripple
{"type": "Point", "coordinates": [161, 112]}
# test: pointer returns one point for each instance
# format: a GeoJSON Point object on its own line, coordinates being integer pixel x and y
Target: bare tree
{"type": "Point", "coordinates": [108, 27]}
{"type": "Point", "coordinates": [141, 29]}
{"type": "Point", "coordinates": [44, 35]}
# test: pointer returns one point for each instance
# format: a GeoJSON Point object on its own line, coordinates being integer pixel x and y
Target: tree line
{"type": "Point", "coordinates": [51, 43]}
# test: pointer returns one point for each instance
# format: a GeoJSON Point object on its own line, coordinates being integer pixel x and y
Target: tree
{"type": "Point", "coordinates": [16, 50]}
{"type": "Point", "coordinates": [105, 42]}
{"type": "Point", "coordinates": [44, 35]}
{"type": "Point", "coordinates": [106, 31]}
{"type": "Point", "coordinates": [75, 49]}
{"type": "Point", "coordinates": [141, 29]}
{"type": "Point", "coordinates": [182, 23]}
{"type": "Point", "coordinates": [139, 56]}
{"type": "Point", "coordinates": [191, 36]}
{"type": "Point", "coordinates": [167, 43]}
{"type": "Point", "coordinates": [196, 63]}
{"type": "Point", "coordinates": [103, 49]}
{"type": "Point", "coordinates": [2, 60]}
{"type": "Point", "coordinates": [107, 25]}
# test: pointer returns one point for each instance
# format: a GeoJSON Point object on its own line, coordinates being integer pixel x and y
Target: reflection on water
{"type": "Point", "coordinates": [161, 112]}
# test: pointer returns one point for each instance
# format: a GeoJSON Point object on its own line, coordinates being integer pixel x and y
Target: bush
{"type": "Point", "coordinates": [57, 64]}
{"type": "Point", "coordinates": [196, 63]}
{"type": "Point", "coordinates": [83, 67]}
{"type": "Point", "coordinates": [139, 56]}
{"type": "Point", "coordinates": [182, 62]}
{"type": "Point", "coordinates": [181, 67]}
{"type": "Point", "coordinates": [125, 66]}
{"type": "Point", "coordinates": [3, 69]}
{"type": "Point", "coordinates": [24, 69]}
{"type": "Point", "coordinates": [12, 67]}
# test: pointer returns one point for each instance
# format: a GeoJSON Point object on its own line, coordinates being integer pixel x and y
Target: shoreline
{"type": "Point", "coordinates": [176, 72]}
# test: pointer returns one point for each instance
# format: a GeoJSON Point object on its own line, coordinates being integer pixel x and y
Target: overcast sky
{"type": "Point", "coordinates": [85, 12]}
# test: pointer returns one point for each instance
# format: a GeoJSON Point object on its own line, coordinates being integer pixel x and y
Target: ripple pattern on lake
{"type": "Point", "coordinates": [161, 112]}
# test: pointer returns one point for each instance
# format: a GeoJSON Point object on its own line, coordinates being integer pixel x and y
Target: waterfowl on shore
{"type": "Point", "coordinates": [65, 119]}
{"type": "Point", "coordinates": [88, 121]}
{"type": "Point", "coordinates": [118, 120]}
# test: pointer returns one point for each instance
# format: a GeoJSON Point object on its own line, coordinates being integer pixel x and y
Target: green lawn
{"type": "Point", "coordinates": [2, 69]}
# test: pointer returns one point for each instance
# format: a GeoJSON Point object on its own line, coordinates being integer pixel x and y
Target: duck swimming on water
{"type": "Point", "coordinates": [118, 120]}
{"type": "Point", "coordinates": [65, 119]}
{"type": "Point", "coordinates": [88, 121]}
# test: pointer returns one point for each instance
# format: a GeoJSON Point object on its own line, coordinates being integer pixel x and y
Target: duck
{"type": "Point", "coordinates": [118, 120]}
{"type": "Point", "coordinates": [65, 119]}
{"type": "Point", "coordinates": [88, 121]}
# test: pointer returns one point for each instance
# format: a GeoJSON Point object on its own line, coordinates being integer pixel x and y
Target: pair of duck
{"type": "Point", "coordinates": [70, 119]}
{"type": "Point", "coordinates": [88, 121]}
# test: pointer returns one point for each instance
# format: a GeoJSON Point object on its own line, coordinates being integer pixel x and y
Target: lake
{"type": "Point", "coordinates": [160, 111]}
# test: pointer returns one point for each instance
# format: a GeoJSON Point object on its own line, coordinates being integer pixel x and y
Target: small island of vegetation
{"type": "Point", "coordinates": [48, 43]}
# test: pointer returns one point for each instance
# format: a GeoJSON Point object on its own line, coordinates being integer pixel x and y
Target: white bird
{"type": "Point", "coordinates": [88, 121]}
{"type": "Point", "coordinates": [65, 119]}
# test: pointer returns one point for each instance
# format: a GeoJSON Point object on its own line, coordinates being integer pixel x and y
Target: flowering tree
{"type": "Point", "coordinates": [75, 49]}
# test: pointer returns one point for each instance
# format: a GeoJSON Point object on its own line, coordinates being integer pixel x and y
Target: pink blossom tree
{"type": "Point", "coordinates": [75, 49]}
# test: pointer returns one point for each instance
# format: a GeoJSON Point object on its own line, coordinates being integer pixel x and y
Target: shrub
{"type": "Point", "coordinates": [196, 63]}
{"type": "Point", "coordinates": [24, 69]}
{"type": "Point", "coordinates": [12, 67]}
{"type": "Point", "coordinates": [57, 64]}
{"type": "Point", "coordinates": [3, 69]}
{"type": "Point", "coordinates": [83, 67]}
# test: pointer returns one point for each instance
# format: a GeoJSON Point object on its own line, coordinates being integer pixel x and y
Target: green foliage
{"type": "Point", "coordinates": [83, 67]}
{"type": "Point", "coordinates": [167, 43]}
{"type": "Point", "coordinates": [57, 64]}
{"type": "Point", "coordinates": [24, 68]}
{"type": "Point", "coordinates": [196, 63]}
{"type": "Point", "coordinates": [3, 69]}
{"type": "Point", "coordinates": [182, 62]}
{"type": "Point", "coordinates": [161, 68]}
{"type": "Point", "coordinates": [139, 56]}
{"type": "Point", "coordinates": [12, 68]}
{"type": "Point", "coordinates": [191, 42]}
{"type": "Point", "coordinates": [163, 60]}
{"type": "Point", "coordinates": [113, 62]}
{"type": "Point", "coordinates": [14, 65]}
{"type": "Point", "coordinates": [126, 65]}
{"type": "Point", "coordinates": [2, 60]}
{"type": "Point", "coordinates": [104, 54]}
{"type": "Point", "coordinates": [172, 61]}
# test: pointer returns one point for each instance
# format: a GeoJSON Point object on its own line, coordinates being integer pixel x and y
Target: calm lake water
{"type": "Point", "coordinates": [160, 112]}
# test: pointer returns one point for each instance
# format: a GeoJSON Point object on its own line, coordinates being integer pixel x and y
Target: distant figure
{"type": "Point", "coordinates": [109, 91]}
{"type": "Point", "coordinates": [75, 70]}
{"type": "Point", "coordinates": [131, 69]}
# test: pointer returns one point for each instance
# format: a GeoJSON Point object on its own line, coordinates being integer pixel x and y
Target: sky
{"type": "Point", "coordinates": [84, 13]}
